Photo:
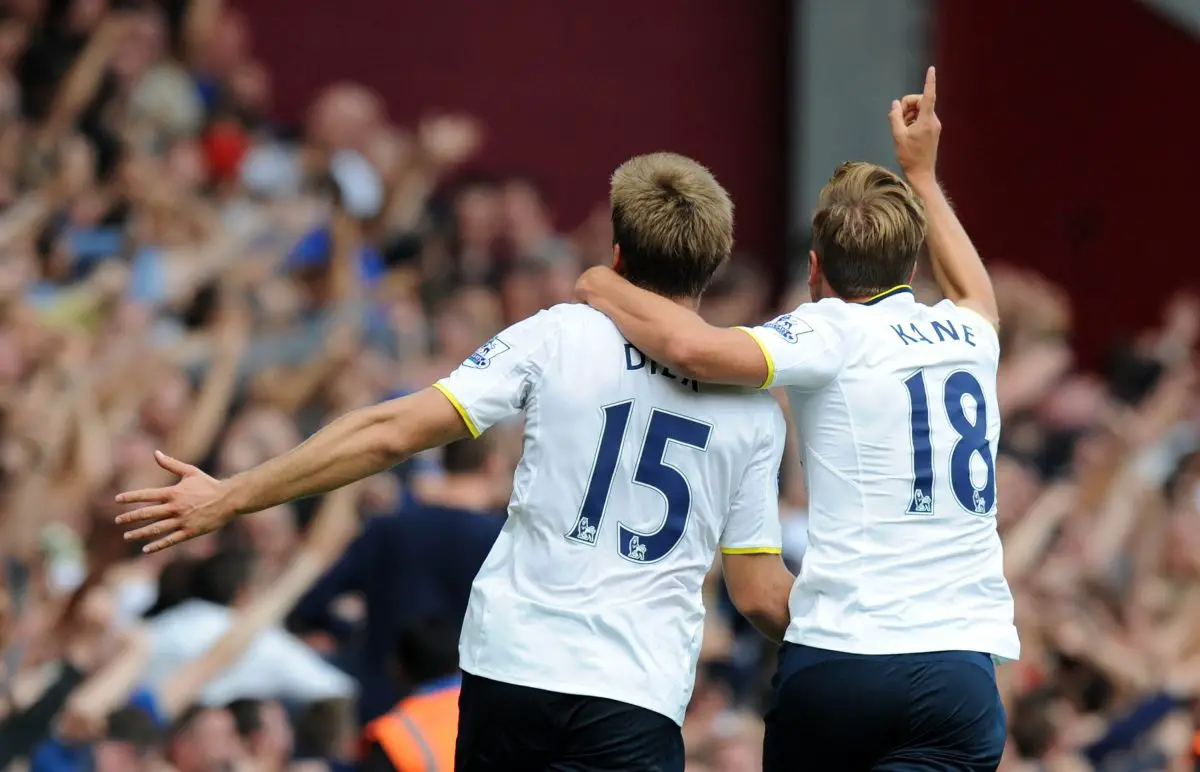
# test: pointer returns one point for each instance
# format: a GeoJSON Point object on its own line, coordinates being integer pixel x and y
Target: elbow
{"type": "Point", "coordinates": [759, 606]}
{"type": "Point", "coordinates": [389, 439]}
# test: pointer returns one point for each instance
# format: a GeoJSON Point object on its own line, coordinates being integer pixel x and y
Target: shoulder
{"type": "Point", "coordinates": [827, 314]}
{"type": "Point", "coordinates": [564, 319]}
{"type": "Point", "coordinates": [969, 318]}
{"type": "Point", "coordinates": [948, 306]}
{"type": "Point", "coordinates": [579, 313]}
{"type": "Point", "coordinates": [827, 323]}
{"type": "Point", "coordinates": [577, 319]}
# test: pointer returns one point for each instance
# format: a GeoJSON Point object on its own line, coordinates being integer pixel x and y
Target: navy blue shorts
{"type": "Point", "coordinates": [502, 727]}
{"type": "Point", "coordinates": [885, 713]}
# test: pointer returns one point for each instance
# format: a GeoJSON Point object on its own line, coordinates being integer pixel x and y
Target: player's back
{"type": "Point", "coordinates": [631, 478]}
{"type": "Point", "coordinates": [900, 443]}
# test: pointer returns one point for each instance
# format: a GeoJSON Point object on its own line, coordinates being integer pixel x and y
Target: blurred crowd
{"type": "Point", "coordinates": [179, 273]}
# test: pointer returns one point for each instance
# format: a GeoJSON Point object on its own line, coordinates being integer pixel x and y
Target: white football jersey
{"type": "Point", "coordinates": [630, 480]}
{"type": "Point", "coordinates": [895, 404]}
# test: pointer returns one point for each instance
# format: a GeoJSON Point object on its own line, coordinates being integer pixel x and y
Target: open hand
{"type": "Point", "coordinates": [916, 129]}
{"type": "Point", "coordinates": [450, 139]}
{"type": "Point", "coordinates": [191, 507]}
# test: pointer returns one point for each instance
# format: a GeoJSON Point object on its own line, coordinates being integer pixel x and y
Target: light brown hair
{"type": "Point", "coordinates": [868, 230]}
{"type": "Point", "coordinates": [672, 221]}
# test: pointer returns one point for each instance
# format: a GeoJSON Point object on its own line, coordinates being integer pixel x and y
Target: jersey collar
{"type": "Point", "coordinates": [901, 289]}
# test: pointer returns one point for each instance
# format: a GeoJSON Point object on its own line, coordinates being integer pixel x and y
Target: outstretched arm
{"type": "Point", "coordinates": [356, 445]}
{"type": "Point", "coordinates": [956, 264]}
{"type": "Point", "coordinates": [490, 386]}
{"type": "Point", "coordinates": [669, 333]}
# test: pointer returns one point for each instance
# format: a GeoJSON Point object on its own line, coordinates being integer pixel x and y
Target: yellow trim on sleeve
{"type": "Point", "coordinates": [752, 550]}
{"type": "Point", "coordinates": [462, 411]}
{"type": "Point", "coordinates": [766, 353]}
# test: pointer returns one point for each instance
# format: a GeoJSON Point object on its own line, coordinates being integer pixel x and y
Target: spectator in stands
{"type": "Point", "coordinates": [418, 562]}
{"type": "Point", "coordinates": [174, 274]}
{"type": "Point", "coordinates": [418, 734]}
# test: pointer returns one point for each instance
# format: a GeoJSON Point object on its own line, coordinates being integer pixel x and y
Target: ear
{"type": "Point", "coordinates": [913, 275]}
{"type": "Point", "coordinates": [814, 267]}
{"type": "Point", "coordinates": [616, 263]}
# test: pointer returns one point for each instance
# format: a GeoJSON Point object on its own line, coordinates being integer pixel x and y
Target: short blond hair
{"type": "Point", "coordinates": [672, 221]}
{"type": "Point", "coordinates": [868, 230]}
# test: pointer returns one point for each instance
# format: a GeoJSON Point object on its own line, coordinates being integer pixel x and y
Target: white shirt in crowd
{"type": "Point", "coordinates": [895, 404]}
{"type": "Point", "coordinates": [630, 480]}
{"type": "Point", "coordinates": [276, 666]}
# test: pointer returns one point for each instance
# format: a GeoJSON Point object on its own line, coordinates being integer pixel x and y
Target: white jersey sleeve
{"type": "Point", "coordinates": [494, 382]}
{"type": "Point", "coordinates": [983, 331]}
{"type": "Point", "coordinates": [753, 522]}
{"type": "Point", "coordinates": [803, 350]}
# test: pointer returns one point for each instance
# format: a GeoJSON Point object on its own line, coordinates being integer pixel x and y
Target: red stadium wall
{"type": "Point", "coordinates": [567, 89]}
{"type": "Point", "coordinates": [1071, 147]}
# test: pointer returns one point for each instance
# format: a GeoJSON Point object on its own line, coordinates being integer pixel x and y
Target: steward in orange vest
{"type": "Point", "coordinates": [418, 735]}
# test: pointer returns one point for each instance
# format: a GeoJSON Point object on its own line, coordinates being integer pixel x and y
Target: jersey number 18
{"type": "Point", "coordinates": [971, 441]}
{"type": "Point", "coordinates": [652, 472]}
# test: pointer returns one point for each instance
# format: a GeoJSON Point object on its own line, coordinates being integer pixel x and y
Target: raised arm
{"type": "Point", "coordinates": [956, 265]}
{"type": "Point", "coordinates": [673, 335]}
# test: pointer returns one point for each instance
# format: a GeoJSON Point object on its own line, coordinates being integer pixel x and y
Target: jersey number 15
{"type": "Point", "coordinates": [971, 441]}
{"type": "Point", "coordinates": [652, 472]}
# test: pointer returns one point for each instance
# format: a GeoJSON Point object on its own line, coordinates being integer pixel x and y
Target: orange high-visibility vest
{"type": "Point", "coordinates": [418, 734]}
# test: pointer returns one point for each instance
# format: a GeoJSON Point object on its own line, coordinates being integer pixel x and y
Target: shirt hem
{"type": "Point", "coordinates": [884, 644]}
{"type": "Point", "coordinates": [579, 690]}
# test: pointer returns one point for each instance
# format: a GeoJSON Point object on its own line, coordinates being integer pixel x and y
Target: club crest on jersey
{"type": "Point", "coordinates": [483, 356]}
{"type": "Point", "coordinates": [788, 327]}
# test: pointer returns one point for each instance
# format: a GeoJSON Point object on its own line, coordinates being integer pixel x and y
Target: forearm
{"type": "Point", "coordinates": [21, 732]}
{"type": "Point", "coordinates": [652, 323]}
{"type": "Point", "coordinates": [761, 596]}
{"type": "Point", "coordinates": [108, 688]}
{"type": "Point", "coordinates": [195, 436]}
{"type": "Point", "coordinates": [673, 335]}
{"type": "Point", "coordinates": [771, 625]}
{"type": "Point", "coordinates": [957, 266]}
{"type": "Point", "coordinates": [355, 446]}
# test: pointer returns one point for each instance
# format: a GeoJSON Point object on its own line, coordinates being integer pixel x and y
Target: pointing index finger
{"type": "Point", "coordinates": [929, 96]}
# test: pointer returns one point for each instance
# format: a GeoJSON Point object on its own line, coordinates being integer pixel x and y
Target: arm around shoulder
{"type": "Point", "coordinates": [673, 334]}
{"type": "Point", "coordinates": [721, 355]}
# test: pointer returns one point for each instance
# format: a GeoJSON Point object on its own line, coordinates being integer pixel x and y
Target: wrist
{"type": "Point", "coordinates": [234, 500]}
{"type": "Point", "coordinates": [922, 181]}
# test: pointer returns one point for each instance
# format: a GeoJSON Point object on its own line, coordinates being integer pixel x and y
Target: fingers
{"type": "Point", "coordinates": [154, 530]}
{"type": "Point", "coordinates": [144, 496]}
{"type": "Point", "coordinates": [170, 541]}
{"type": "Point", "coordinates": [896, 119]}
{"type": "Point", "coordinates": [929, 96]}
{"type": "Point", "coordinates": [145, 514]}
{"type": "Point", "coordinates": [174, 465]}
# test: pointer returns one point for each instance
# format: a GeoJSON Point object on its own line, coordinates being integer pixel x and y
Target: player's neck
{"type": "Point", "coordinates": [876, 296]}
